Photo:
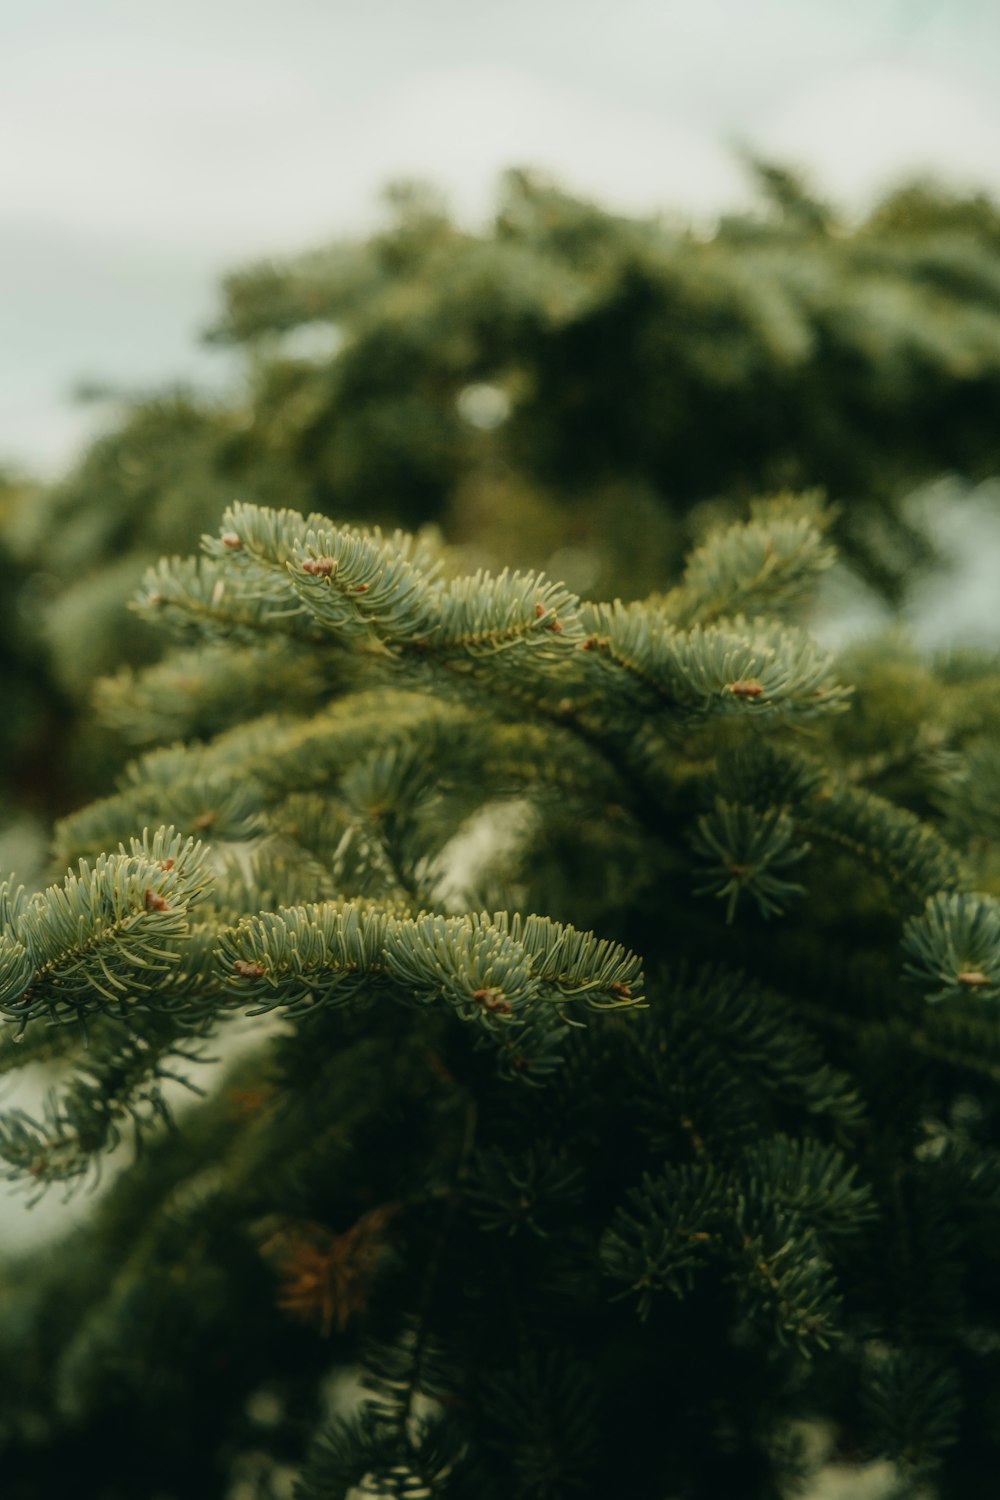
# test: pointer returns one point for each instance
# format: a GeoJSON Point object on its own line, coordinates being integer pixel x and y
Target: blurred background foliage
{"type": "Point", "coordinates": [565, 385]}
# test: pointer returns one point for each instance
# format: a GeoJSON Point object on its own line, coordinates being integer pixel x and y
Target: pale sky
{"type": "Point", "coordinates": [145, 150]}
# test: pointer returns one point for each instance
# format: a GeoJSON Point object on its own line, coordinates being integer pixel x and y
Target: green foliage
{"type": "Point", "coordinates": [578, 1178]}
{"type": "Point", "coordinates": [100, 936]}
{"type": "Point", "coordinates": [564, 381]}
{"type": "Point", "coordinates": [32, 704]}
{"type": "Point", "coordinates": [955, 943]}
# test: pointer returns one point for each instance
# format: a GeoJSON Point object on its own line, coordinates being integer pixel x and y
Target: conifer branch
{"type": "Point", "coordinates": [881, 834]}
{"type": "Point", "coordinates": [759, 670]}
{"type": "Point", "coordinates": [767, 566]}
{"type": "Point", "coordinates": [748, 853]}
{"type": "Point", "coordinates": [119, 1083]}
{"type": "Point", "coordinates": [199, 598]}
{"type": "Point", "coordinates": [102, 938]}
{"type": "Point", "coordinates": [767, 1217]}
{"type": "Point", "coordinates": [954, 944]}
{"type": "Point", "coordinates": [199, 692]}
{"type": "Point", "coordinates": [487, 971]}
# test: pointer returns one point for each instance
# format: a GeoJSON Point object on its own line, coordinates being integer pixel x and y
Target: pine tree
{"type": "Point", "coordinates": [618, 1083]}
{"type": "Point", "coordinates": [565, 378]}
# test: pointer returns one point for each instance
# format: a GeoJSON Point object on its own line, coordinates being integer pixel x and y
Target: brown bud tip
{"type": "Point", "coordinates": [248, 969]}
{"type": "Point", "coordinates": [539, 611]}
{"type": "Point", "coordinates": [623, 990]}
{"type": "Point", "coordinates": [361, 588]}
{"type": "Point", "coordinates": [319, 567]}
{"type": "Point", "coordinates": [154, 901]}
{"type": "Point", "coordinates": [230, 539]}
{"type": "Point", "coordinates": [167, 864]}
{"type": "Point", "coordinates": [554, 625]}
{"type": "Point", "coordinates": [154, 597]}
{"type": "Point", "coordinates": [974, 979]}
{"type": "Point", "coordinates": [205, 819]}
{"type": "Point", "coordinates": [493, 1000]}
{"type": "Point", "coordinates": [747, 687]}
{"type": "Point", "coordinates": [589, 643]}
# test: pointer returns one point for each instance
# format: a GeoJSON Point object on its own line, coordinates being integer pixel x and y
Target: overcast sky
{"type": "Point", "coordinates": [144, 150]}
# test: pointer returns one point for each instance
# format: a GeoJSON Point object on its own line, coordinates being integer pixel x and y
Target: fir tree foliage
{"type": "Point", "coordinates": [562, 376]}
{"type": "Point", "coordinates": [592, 1179]}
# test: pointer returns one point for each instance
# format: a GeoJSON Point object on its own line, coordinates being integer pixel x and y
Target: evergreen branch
{"type": "Point", "coordinates": [394, 754]}
{"type": "Point", "coordinates": [954, 944]}
{"type": "Point", "coordinates": [577, 964]}
{"type": "Point", "coordinates": [812, 1181]}
{"type": "Point", "coordinates": [511, 1193]}
{"type": "Point", "coordinates": [532, 1051]}
{"type": "Point", "coordinates": [761, 1037]}
{"type": "Point", "coordinates": [748, 852]}
{"type": "Point", "coordinates": [543, 1428]}
{"type": "Point", "coordinates": [200, 800]}
{"type": "Point", "coordinates": [758, 1219]}
{"type": "Point", "coordinates": [347, 579]}
{"type": "Point", "coordinates": [548, 759]}
{"type": "Point", "coordinates": [200, 597]}
{"type": "Point", "coordinates": [491, 973]}
{"type": "Point", "coordinates": [782, 785]}
{"type": "Point", "coordinates": [584, 743]}
{"type": "Point", "coordinates": [963, 1036]}
{"type": "Point", "coordinates": [271, 539]}
{"type": "Point", "coordinates": [756, 669]}
{"type": "Point", "coordinates": [913, 1401]}
{"type": "Point", "coordinates": [483, 973]}
{"type": "Point", "coordinates": [389, 1446]}
{"type": "Point", "coordinates": [362, 586]}
{"type": "Point", "coordinates": [883, 836]}
{"type": "Point", "coordinates": [174, 785]}
{"type": "Point", "coordinates": [118, 1083]}
{"type": "Point", "coordinates": [12, 904]}
{"type": "Point", "coordinates": [970, 797]}
{"type": "Point", "coordinates": [302, 956]}
{"type": "Point", "coordinates": [197, 693]}
{"type": "Point", "coordinates": [786, 1285]}
{"type": "Point", "coordinates": [365, 1454]}
{"type": "Point", "coordinates": [796, 1072]}
{"type": "Point", "coordinates": [666, 1234]}
{"type": "Point", "coordinates": [350, 849]}
{"type": "Point", "coordinates": [304, 755]}
{"type": "Point", "coordinates": [483, 615]}
{"type": "Point", "coordinates": [764, 776]}
{"type": "Point", "coordinates": [357, 585]}
{"type": "Point", "coordinates": [768, 565]}
{"type": "Point", "coordinates": [102, 938]}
